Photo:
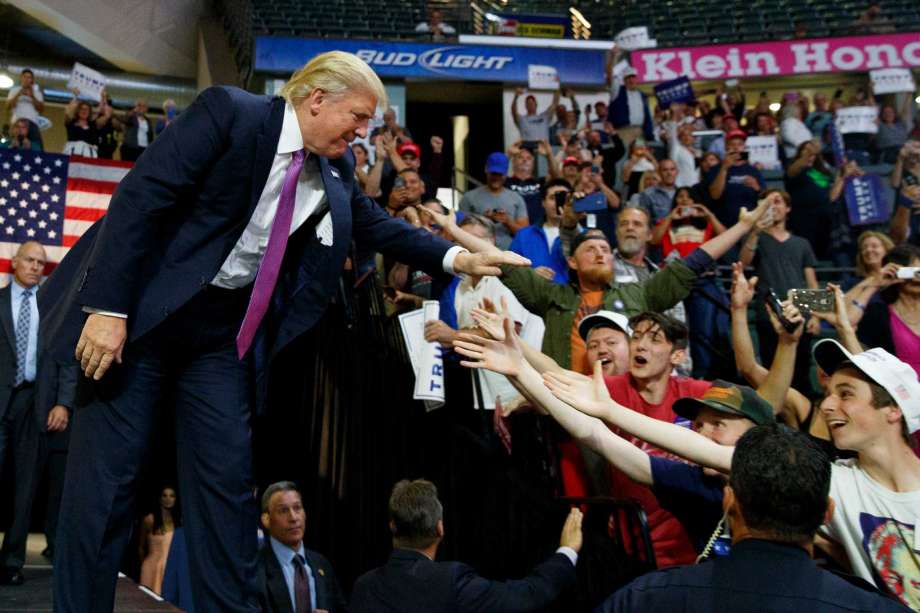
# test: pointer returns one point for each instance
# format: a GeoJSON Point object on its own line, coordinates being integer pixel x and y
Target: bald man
{"type": "Point", "coordinates": [20, 427]}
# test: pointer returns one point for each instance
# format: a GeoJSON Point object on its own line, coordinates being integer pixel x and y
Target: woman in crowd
{"type": "Point", "coordinates": [650, 178]}
{"type": "Point", "coordinates": [82, 126]}
{"type": "Point", "coordinates": [894, 322]}
{"type": "Point", "coordinates": [156, 535]}
{"type": "Point", "coordinates": [871, 249]}
{"type": "Point", "coordinates": [905, 178]}
{"type": "Point", "coordinates": [361, 163]}
{"type": "Point", "coordinates": [808, 181]}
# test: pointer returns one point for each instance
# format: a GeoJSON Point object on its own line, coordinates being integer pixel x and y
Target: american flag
{"type": "Point", "coordinates": [51, 198]}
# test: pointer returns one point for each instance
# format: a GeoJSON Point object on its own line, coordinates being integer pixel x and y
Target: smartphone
{"type": "Point", "coordinates": [399, 182]}
{"type": "Point", "coordinates": [745, 156]}
{"type": "Point", "coordinates": [908, 272]}
{"type": "Point", "coordinates": [685, 211]}
{"type": "Point", "coordinates": [533, 145]}
{"type": "Point", "coordinates": [810, 300]}
{"type": "Point", "coordinates": [595, 169]}
{"type": "Point", "coordinates": [595, 201]}
{"type": "Point", "coordinates": [773, 303]}
{"type": "Point", "coordinates": [561, 197]}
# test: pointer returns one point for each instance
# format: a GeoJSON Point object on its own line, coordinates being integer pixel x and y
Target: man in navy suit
{"type": "Point", "coordinates": [223, 244]}
{"type": "Point", "coordinates": [294, 579]}
{"type": "Point", "coordinates": [23, 419]}
{"type": "Point", "coordinates": [412, 581]}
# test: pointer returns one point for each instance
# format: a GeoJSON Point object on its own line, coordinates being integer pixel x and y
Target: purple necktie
{"type": "Point", "coordinates": [271, 260]}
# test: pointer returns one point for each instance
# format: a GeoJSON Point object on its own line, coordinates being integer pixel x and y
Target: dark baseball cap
{"type": "Point", "coordinates": [588, 235]}
{"type": "Point", "coordinates": [728, 398]}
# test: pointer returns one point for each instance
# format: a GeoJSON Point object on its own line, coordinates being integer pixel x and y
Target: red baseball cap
{"type": "Point", "coordinates": [409, 148]}
{"type": "Point", "coordinates": [736, 134]}
{"type": "Point", "coordinates": [571, 160]}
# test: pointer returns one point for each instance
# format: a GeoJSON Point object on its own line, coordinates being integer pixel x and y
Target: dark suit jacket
{"type": "Point", "coordinates": [410, 582]}
{"type": "Point", "coordinates": [276, 598]}
{"type": "Point", "coordinates": [756, 576]}
{"type": "Point", "coordinates": [177, 215]}
{"type": "Point", "coordinates": [56, 383]}
{"type": "Point", "coordinates": [7, 348]}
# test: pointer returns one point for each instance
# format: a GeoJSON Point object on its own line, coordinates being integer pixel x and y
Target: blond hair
{"type": "Point", "coordinates": [336, 73]}
{"type": "Point", "coordinates": [886, 241]}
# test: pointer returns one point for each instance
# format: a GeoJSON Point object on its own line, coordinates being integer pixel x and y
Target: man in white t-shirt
{"type": "Point", "coordinates": [872, 406]}
{"type": "Point", "coordinates": [27, 102]}
{"type": "Point", "coordinates": [533, 126]}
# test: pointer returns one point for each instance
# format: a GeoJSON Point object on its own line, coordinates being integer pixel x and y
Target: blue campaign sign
{"type": "Point", "coordinates": [676, 90]}
{"type": "Point", "coordinates": [866, 201]}
{"type": "Point", "coordinates": [433, 61]}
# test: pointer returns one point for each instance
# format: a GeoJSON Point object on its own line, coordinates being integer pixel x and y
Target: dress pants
{"type": "Point", "coordinates": [19, 437]}
{"type": "Point", "coordinates": [190, 358]}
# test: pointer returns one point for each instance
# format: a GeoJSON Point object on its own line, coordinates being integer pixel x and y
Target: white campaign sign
{"type": "Point", "coordinates": [892, 80]}
{"type": "Point", "coordinates": [852, 119]}
{"type": "Point", "coordinates": [429, 380]}
{"type": "Point", "coordinates": [89, 82]}
{"type": "Point", "coordinates": [635, 38]}
{"type": "Point", "coordinates": [763, 150]}
{"type": "Point", "coordinates": [542, 77]}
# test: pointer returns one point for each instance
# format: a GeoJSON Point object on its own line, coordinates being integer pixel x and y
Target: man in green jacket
{"type": "Point", "coordinates": [592, 287]}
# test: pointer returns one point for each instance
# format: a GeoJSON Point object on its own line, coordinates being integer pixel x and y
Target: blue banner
{"type": "Point", "coordinates": [433, 61]}
{"type": "Point", "coordinates": [866, 201]}
{"type": "Point", "coordinates": [676, 90]}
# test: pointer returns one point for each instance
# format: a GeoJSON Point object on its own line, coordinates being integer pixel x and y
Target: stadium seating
{"type": "Point", "coordinates": [672, 22]}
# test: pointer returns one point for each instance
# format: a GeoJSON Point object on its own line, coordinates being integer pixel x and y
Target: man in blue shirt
{"type": "Point", "coordinates": [540, 242]}
{"type": "Point", "coordinates": [293, 579]}
{"type": "Point", "coordinates": [734, 183]}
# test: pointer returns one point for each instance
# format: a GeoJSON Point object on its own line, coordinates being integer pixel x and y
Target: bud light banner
{"type": "Point", "coordinates": [866, 201]}
{"type": "Point", "coordinates": [676, 90]}
{"type": "Point", "coordinates": [433, 61]}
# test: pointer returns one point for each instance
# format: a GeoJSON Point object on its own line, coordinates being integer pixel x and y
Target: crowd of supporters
{"type": "Point", "coordinates": [756, 425]}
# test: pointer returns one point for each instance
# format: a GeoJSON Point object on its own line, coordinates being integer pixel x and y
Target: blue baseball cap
{"type": "Point", "coordinates": [497, 163]}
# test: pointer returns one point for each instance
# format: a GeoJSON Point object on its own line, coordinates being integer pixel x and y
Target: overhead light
{"type": "Point", "coordinates": [6, 81]}
{"type": "Point", "coordinates": [774, 106]}
{"type": "Point", "coordinates": [917, 99]}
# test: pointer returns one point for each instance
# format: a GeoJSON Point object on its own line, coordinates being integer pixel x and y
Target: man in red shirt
{"type": "Point", "coordinates": [657, 345]}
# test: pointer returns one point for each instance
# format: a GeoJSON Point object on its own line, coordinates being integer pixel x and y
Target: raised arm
{"type": "Point", "coordinates": [514, 105]}
{"type": "Point", "coordinates": [507, 358]}
{"type": "Point", "coordinates": [588, 398]}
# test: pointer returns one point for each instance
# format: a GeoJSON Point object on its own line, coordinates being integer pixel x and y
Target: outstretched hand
{"type": "Point", "coordinates": [587, 394]}
{"type": "Point", "coordinates": [839, 318]}
{"type": "Point", "coordinates": [490, 320]}
{"type": "Point", "coordinates": [504, 357]}
{"type": "Point", "coordinates": [791, 313]}
{"type": "Point", "coordinates": [742, 287]}
{"type": "Point", "coordinates": [487, 264]}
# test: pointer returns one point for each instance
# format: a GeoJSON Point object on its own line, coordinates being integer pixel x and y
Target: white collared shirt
{"type": "Point", "coordinates": [241, 266]}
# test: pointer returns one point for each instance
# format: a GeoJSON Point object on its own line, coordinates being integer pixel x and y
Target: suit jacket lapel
{"type": "Point", "coordinates": [274, 578]}
{"type": "Point", "coordinates": [266, 147]}
{"type": "Point", "coordinates": [339, 200]}
{"type": "Point", "coordinates": [6, 315]}
{"type": "Point", "coordinates": [319, 581]}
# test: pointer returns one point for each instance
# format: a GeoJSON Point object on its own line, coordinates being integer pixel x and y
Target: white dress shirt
{"type": "Point", "coordinates": [25, 106]}
{"type": "Point", "coordinates": [32, 348]}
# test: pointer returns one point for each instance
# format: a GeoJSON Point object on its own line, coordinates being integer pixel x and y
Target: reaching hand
{"type": "Point", "coordinates": [791, 313]}
{"type": "Point", "coordinates": [437, 144]}
{"type": "Point", "coordinates": [750, 218]}
{"type": "Point", "coordinates": [483, 264]}
{"type": "Point", "coordinates": [503, 357]}
{"type": "Point", "coordinates": [446, 220]}
{"type": "Point", "coordinates": [588, 395]}
{"type": "Point", "coordinates": [571, 530]}
{"type": "Point", "coordinates": [490, 320]}
{"type": "Point", "coordinates": [436, 331]}
{"type": "Point", "coordinates": [742, 288]}
{"type": "Point", "coordinates": [839, 318]}
{"type": "Point", "coordinates": [546, 272]}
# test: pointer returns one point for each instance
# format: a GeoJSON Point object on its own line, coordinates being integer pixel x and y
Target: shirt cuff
{"type": "Point", "coordinates": [93, 311]}
{"type": "Point", "coordinates": [699, 261]}
{"type": "Point", "coordinates": [570, 553]}
{"type": "Point", "coordinates": [448, 262]}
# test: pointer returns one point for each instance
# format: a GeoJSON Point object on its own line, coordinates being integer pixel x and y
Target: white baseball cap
{"type": "Point", "coordinates": [603, 318]}
{"type": "Point", "coordinates": [897, 377]}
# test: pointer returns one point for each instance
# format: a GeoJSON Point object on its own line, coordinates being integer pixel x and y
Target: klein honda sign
{"type": "Point", "coordinates": [787, 57]}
